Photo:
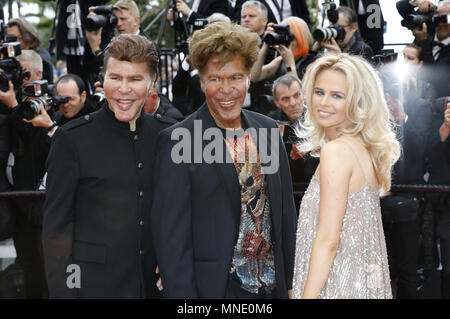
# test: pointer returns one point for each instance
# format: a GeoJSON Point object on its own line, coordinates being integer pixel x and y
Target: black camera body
{"type": "Point", "coordinates": [199, 24]}
{"type": "Point", "coordinates": [104, 17]}
{"type": "Point", "coordinates": [332, 13]}
{"type": "Point", "coordinates": [12, 70]}
{"type": "Point", "coordinates": [335, 31]}
{"type": "Point", "coordinates": [415, 21]}
{"type": "Point", "coordinates": [40, 92]}
{"type": "Point", "coordinates": [282, 35]}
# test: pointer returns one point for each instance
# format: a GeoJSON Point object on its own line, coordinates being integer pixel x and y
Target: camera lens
{"type": "Point", "coordinates": [94, 23]}
{"type": "Point", "coordinates": [30, 109]}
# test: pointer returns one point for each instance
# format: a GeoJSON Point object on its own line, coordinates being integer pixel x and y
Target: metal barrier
{"type": "Point", "coordinates": [299, 189]}
{"type": "Point", "coordinates": [166, 70]}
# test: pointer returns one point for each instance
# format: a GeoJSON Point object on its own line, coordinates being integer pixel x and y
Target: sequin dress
{"type": "Point", "coordinates": [360, 269]}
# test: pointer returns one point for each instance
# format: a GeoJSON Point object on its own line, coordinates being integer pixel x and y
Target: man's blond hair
{"type": "Point", "coordinates": [128, 5]}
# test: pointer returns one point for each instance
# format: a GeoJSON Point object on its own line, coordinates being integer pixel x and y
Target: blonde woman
{"type": "Point", "coordinates": [340, 245]}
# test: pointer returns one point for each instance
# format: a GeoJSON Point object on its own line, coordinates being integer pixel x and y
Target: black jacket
{"type": "Point", "coordinates": [166, 108]}
{"type": "Point", "coordinates": [197, 215]}
{"type": "Point", "coordinates": [96, 212]}
{"type": "Point", "coordinates": [373, 35]}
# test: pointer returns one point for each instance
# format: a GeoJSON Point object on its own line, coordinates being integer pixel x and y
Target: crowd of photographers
{"type": "Point", "coordinates": [32, 109]}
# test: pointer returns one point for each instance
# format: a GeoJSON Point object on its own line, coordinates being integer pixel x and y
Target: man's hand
{"type": "Point", "coordinates": [286, 54]}
{"type": "Point", "coordinates": [170, 15]}
{"type": "Point", "coordinates": [444, 130]}
{"type": "Point", "coordinates": [159, 282]}
{"type": "Point", "coordinates": [183, 7]}
{"type": "Point", "coordinates": [331, 45]}
{"type": "Point", "coordinates": [98, 87]}
{"type": "Point", "coordinates": [41, 120]}
{"type": "Point", "coordinates": [396, 108]}
{"type": "Point", "coordinates": [94, 37]}
{"type": "Point", "coordinates": [421, 35]}
{"type": "Point", "coordinates": [9, 97]}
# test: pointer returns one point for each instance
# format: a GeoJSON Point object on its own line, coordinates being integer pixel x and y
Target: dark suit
{"type": "Point", "coordinates": [166, 108]}
{"type": "Point", "coordinates": [439, 169]}
{"type": "Point", "coordinates": [97, 201]}
{"type": "Point", "coordinates": [196, 218]}
{"type": "Point", "coordinates": [372, 36]}
{"type": "Point", "coordinates": [299, 9]}
{"type": "Point", "coordinates": [208, 7]}
{"type": "Point", "coordinates": [401, 210]}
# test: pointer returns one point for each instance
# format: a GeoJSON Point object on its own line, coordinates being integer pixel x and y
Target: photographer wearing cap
{"type": "Point", "coordinates": [348, 39]}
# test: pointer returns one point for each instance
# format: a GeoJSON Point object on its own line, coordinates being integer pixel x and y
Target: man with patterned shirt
{"type": "Point", "coordinates": [224, 222]}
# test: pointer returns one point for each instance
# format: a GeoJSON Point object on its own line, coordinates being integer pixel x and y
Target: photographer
{"type": "Point", "coordinates": [436, 48]}
{"type": "Point", "coordinates": [348, 38]}
{"type": "Point", "coordinates": [294, 56]}
{"type": "Point", "coordinates": [29, 39]}
{"type": "Point", "coordinates": [288, 97]}
{"type": "Point", "coordinates": [439, 170]}
{"type": "Point", "coordinates": [370, 21]}
{"type": "Point", "coordinates": [196, 9]}
{"type": "Point", "coordinates": [30, 148]}
{"type": "Point", "coordinates": [124, 16]}
{"type": "Point", "coordinates": [71, 87]}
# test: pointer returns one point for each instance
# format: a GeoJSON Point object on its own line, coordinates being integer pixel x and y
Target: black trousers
{"type": "Point", "coordinates": [28, 245]}
{"type": "Point", "coordinates": [401, 224]}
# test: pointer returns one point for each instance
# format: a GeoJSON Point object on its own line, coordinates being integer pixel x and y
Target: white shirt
{"type": "Point", "coordinates": [285, 6]}
{"type": "Point", "coordinates": [436, 49]}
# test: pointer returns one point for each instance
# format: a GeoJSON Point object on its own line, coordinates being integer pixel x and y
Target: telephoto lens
{"type": "Point", "coordinates": [335, 31]}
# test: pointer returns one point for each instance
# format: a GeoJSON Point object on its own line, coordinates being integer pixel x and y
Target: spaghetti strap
{"type": "Point", "coordinates": [357, 158]}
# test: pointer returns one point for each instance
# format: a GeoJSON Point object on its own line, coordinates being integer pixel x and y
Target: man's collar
{"type": "Point", "coordinates": [446, 41]}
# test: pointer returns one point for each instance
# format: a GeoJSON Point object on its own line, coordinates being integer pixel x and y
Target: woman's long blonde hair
{"type": "Point", "coordinates": [366, 109]}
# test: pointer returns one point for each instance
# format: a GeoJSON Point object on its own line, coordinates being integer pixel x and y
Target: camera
{"type": "Point", "coordinates": [335, 31]}
{"type": "Point", "coordinates": [387, 56]}
{"type": "Point", "coordinates": [332, 13]}
{"type": "Point", "coordinates": [12, 70]}
{"type": "Point", "coordinates": [282, 35]}
{"type": "Point", "coordinates": [199, 24]}
{"type": "Point", "coordinates": [104, 16]}
{"type": "Point", "coordinates": [415, 21]}
{"type": "Point", "coordinates": [40, 92]}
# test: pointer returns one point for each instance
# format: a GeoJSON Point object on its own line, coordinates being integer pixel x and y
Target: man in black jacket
{"type": "Point", "coordinates": [370, 21]}
{"type": "Point", "coordinates": [352, 42]}
{"type": "Point", "coordinates": [30, 147]}
{"type": "Point", "coordinates": [96, 235]}
{"type": "Point", "coordinates": [224, 224]}
{"type": "Point", "coordinates": [436, 49]}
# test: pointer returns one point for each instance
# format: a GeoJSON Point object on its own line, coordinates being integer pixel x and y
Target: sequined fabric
{"type": "Point", "coordinates": [360, 269]}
